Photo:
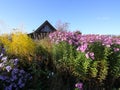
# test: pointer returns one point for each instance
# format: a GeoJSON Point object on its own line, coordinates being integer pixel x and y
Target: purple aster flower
{"type": "Point", "coordinates": [116, 49]}
{"type": "Point", "coordinates": [16, 61]}
{"type": "Point", "coordinates": [3, 50]}
{"type": "Point", "coordinates": [20, 81]}
{"type": "Point", "coordinates": [22, 71]}
{"type": "Point", "coordinates": [30, 77]}
{"type": "Point", "coordinates": [1, 55]}
{"type": "Point", "coordinates": [70, 42]}
{"type": "Point", "coordinates": [82, 48]}
{"type": "Point", "coordinates": [8, 81]}
{"type": "Point", "coordinates": [21, 84]}
{"type": "Point", "coordinates": [13, 78]}
{"type": "Point", "coordinates": [92, 55]}
{"type": "Point", "coordinates": [1, 65]}
{"type": "Point", "coordinates": [3, 77]}
{"type": "Point", "coordinates": [87, 55]}
{"type": "Point", "coordinates": [79, 85]}
{"type": "Point", "coordinates": [14, 85]}
{"type": "Point", "coordinates": [8, 68]}
{"type": "Point", "coordinates": [15, 71]}
{"type": "Point", "coordinates": [8, 87]}
{"type": "Point", "coordinates": [4, 59]}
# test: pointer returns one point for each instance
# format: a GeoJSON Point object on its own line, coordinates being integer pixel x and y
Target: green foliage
{"type": "Point", "coordinates": [98, 49]}
{"type": "Point", "coordinates": [76, 89]}
{"type": "Point", "coordinates": [63, 56]}
{"type": "Point", "coordinates": [81, 66]}
{"type": "Point", "coordinates": [102, 70]}
{"type": "Point", "coordinates": [43, 53]}
{"type": "Point", "coordinates": [93, 69]}
{"type": "Point", "coordinates": [45, 43]}
{"type": "Point", "coordinates": [42, 64]}
{"type": "Point", "coordinates": [99, 67]}
{"type": "Point", "coordinates": [98, 70]}
{"type": "Point", "coordinates": [114, 61]}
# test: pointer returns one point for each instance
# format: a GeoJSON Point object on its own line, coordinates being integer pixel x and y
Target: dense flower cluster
{"type": "Point", "coordinates": [81, 42]}
{"type": "Point", "coordinates": [79, 39]}
{"type": "Point", "coordinates": [11, 75]}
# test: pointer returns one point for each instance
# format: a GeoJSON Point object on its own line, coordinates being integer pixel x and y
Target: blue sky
{"type": "Point", "coordinates": [88, 16]}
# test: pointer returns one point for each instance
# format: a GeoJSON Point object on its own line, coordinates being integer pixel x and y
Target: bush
{"type": "Point", "coordinates": [63, 58]}
{"type": "Point", "coordinates": [19, 44]}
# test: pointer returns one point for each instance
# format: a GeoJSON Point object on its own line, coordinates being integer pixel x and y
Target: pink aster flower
{"type": "Point", "coordinates": [90, 55]}
{"type": "Point", "coordinates": [82, 48]}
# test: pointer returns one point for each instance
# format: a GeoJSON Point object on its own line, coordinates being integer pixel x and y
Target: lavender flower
{"type": "Point", "coordinates": [82, 48]}
{"type": "Point", "coordinates": [13, 78]}
{"type": "Point", "coordinates": [4, 59]}
{"type": "Point", "coordinates": [8, 87]}
{"type": "Point", "coordinates": [3, 50]}
{"type": "Point", "coordinates": [22, 71]}
{"type": "Point", "coordinates": [16, 61]}
{"type": "Point", "coordinates": [1, 65]}
{"type": "Point", "coordinates": [20, 83]}
{"type": "Point", "coordinates": [87, 55]}
{"type": "Point", "coordinates": [15, 71]}
{"type": "Point", "coordinates": [8, 68]}
{"type": "Point", "coordinates": [116, 49]}
{"type": "Point", "coordinates": [2, 77]}
{"type": "Point", "coordinates": [79, 85]}
{"type": "Point", "coordinates": [1, 55]}
{"type": "Point", "coordinates": [90, 55]}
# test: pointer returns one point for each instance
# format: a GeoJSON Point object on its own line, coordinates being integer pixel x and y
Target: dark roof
{"type": "Point", "coordinates": [42, 26]}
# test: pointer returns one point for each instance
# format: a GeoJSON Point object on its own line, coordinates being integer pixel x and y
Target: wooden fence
{"type": "Point", "coordinates": [38, 36]}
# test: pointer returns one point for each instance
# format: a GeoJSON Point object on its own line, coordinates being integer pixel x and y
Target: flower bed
{"type": "Point", "coordinates": [65, 61]}
{"type": "Point", "coordinates": [97, 59]}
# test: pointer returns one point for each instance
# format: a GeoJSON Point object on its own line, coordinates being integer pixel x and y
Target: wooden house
{"type": "Point", "coordinates": [42, 31]}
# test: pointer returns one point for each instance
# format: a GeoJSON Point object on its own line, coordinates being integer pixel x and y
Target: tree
{"type": "Point", "coordinates": [62, 26]}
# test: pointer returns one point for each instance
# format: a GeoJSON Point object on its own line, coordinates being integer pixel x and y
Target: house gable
{"type": "Point", "coordinates": [42, 31]}
{"type": "Point", "coordinates": [46, 27]}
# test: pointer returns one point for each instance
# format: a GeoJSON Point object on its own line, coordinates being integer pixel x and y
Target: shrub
{"type": "Point", "coordinates": [63, 58]}
{"type": "Point", "coordinates": [5, 39]}
{"type": "Point", "coordinates": [19, 44]}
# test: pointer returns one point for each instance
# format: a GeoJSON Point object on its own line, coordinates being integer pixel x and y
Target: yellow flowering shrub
{"type": "Point", "coordinates": [19, 44]}
{"type": "Point", "coordinates": [5, 39]}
